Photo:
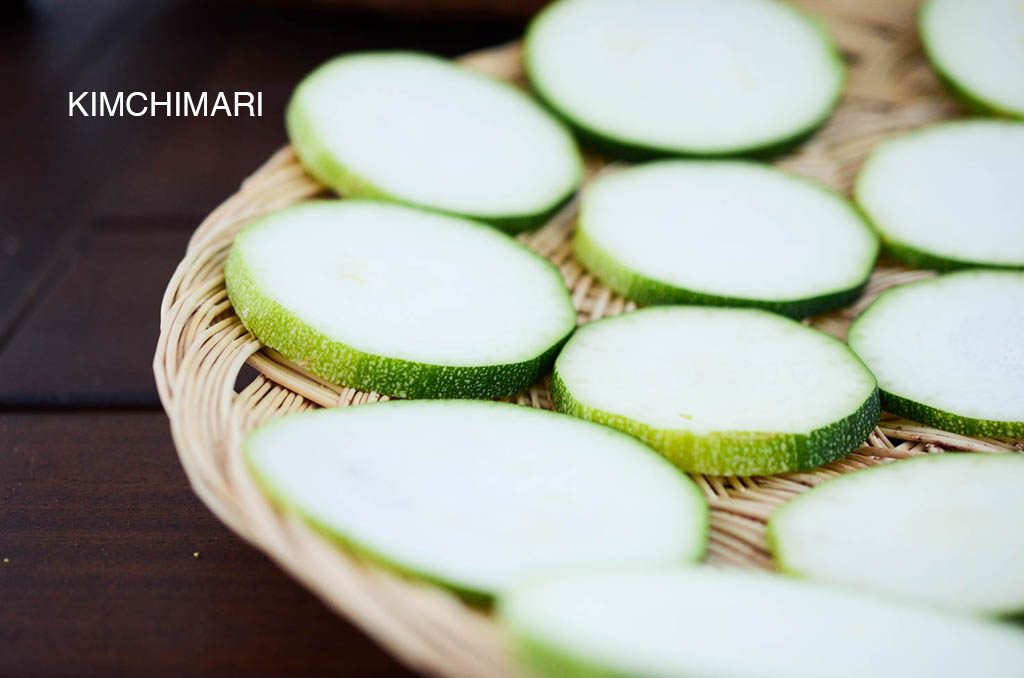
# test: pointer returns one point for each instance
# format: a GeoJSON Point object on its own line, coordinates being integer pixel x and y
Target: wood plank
{"type": "Point", "coordinates": [55, 167]}
{"type": "Point", "coordinates": [98, 530]}
{"type": "Point", "coordinates": [89, 340]}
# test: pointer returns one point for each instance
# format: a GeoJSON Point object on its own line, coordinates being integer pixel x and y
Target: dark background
{"type": "Point", "coordinates": [98, 526]}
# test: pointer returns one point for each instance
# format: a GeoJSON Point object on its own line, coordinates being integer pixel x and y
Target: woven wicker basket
{"type": "Point", "coordinates": [203, 346]}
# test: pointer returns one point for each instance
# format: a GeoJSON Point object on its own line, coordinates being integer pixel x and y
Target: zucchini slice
{"type": "Point", "coordinates": [725, 234]}
{"type": "Point", "coordinates": [943, 529]}
{"type": "Point", "coordinates": [415, 129]}
{"type": "Point", "coordinates": [720, 391]}
{"type": "Point", "coordinates": [699, 77]}
{"type": "Point", "coordinates": [977, 47]}
{"type": "Point", "coordinates": [399, 301]}
{"type": "Point", "coordinates": [669, 623]}
{"type": "Point", "coordinates": [949, 195]}
{"type": "Point", "coordinates": [474, 494]}
{"type": "Point", "coordinates": [949, 351]}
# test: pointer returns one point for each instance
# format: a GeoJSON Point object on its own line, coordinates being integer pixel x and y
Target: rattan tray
{"type": "Point", "coordinates": [203, 346]}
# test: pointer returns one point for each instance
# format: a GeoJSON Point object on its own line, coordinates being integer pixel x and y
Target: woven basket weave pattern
{"type": "Point", "coordinates": [203, 346]}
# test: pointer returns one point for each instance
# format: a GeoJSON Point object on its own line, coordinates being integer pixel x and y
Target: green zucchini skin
{"type": "Point", "coordinates": [960, 92]}
{"type": "Point", "coordinates": [624, 149]}
{"type": "Point", "coordinates": [648, 291]}
{"type": "Point", "coordinates": [738, 453]}
{"type": "Point", "coordinates": [328, 170]}
{"type": "Point", "coordinates": [620, 149]}
{"type": "Point", "coordinates": [915, 258]}
{"type": "Point", "coordinates": [948, 421]}
{"type": "Point", "coordinates": [969, 100]}
{"type": "Point", "coordinates": [282, 330]}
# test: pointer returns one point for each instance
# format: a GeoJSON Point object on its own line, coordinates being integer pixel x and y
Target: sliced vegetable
{"type": "Point", "coordinates": [945, 529]}
{"type": "Point", "coordinates": [399, 301]}
{"type": "Point", "coordinates": [720, 391]}
{"type": "Point", "coordinates": [474, 494]}
{"type": "Point", "coordinates": [415, 129]}
{"type": "Point", "coordinates": [726, 234]}
{"type": "Point", "coordinates": [703, 77]}
{"type": "Point", "coordinates": [949, 351]}
{"type": "Point", "coordinates": [949, 195]}
{"type": "Point", "coordinates": [978, 49]}
{"type": "Point", "coordinates": [666, 623]}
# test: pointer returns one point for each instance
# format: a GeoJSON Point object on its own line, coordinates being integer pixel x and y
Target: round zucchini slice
{"type": "Point", "coordinates": [720, 391]}
{"type": "Point", "coordinates": [949, 352]}
{"type": "Point", "coordinates": [399, 301]}
{"type": "Point", "coordinates": [977, 47]}
{"type": "Point", "coordinates": [474, 495]}
{"type": "Point", "coordinates": [415, 129]}
{"type": "Point", "coordinates": [949, 196]}
{"type": "Point", "coordinates": [668, 623]}
{"type": "Point", "coordinates": [726, 234]}
{"type": "Point", "coordinates": [943, 529]}
{"type": "Point", "coordinates": [701, 77]}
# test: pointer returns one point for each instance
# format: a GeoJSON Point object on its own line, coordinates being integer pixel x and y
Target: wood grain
{"type": "Point", "coordinates": [98, 533]}
{"type": "Point", "coordinates": [87, 339]}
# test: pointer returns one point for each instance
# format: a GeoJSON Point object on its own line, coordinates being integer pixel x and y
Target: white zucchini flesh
{"type": "Point", "coordinates": [949, 195]}
{"type": "Point", "coordinates": [416, 129]}
{"type": "Point", "coordinates": [961, 369]}
{"type": "Point", "coordinates": [724, 233]}
{"type": "Point", "coordinates": [720, 391]}
{"type": "Point", "coordinates": [476, 494]}
{"type": "Point", "coordinates": [978, 47]}
{"type": "Point", "coordinates": [705, 77]}
{"type": "Point", "coordinates": [944, 529]}
{"type": "Point", "coordinates": [399, 301]}
{"type": "Point", "coordinates": [669, 623]}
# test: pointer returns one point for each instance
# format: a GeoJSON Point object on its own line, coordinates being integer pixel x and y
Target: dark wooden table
{"type": "Point", "coordinates": [110, 565]}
